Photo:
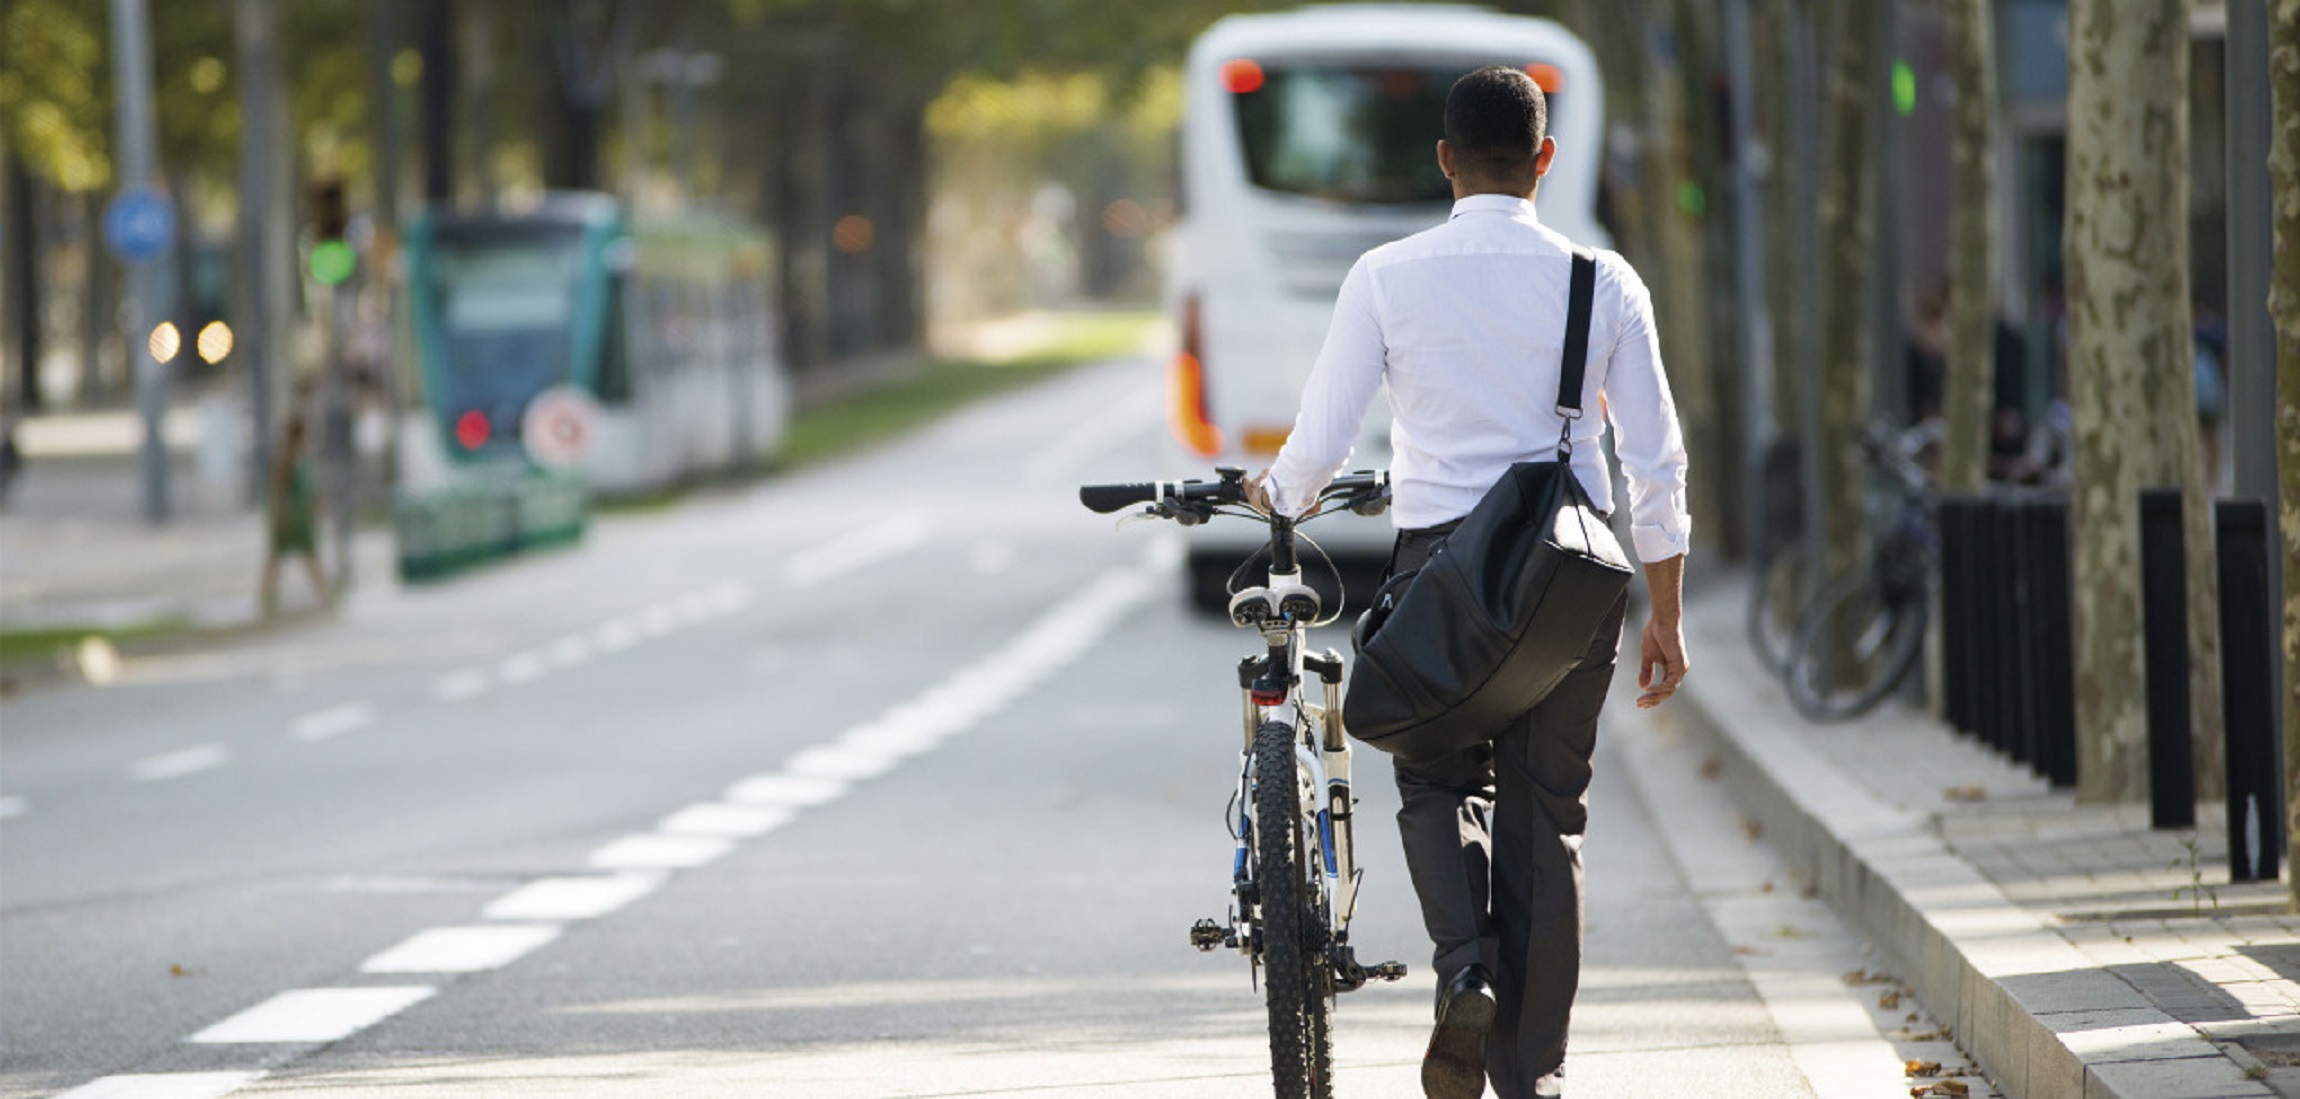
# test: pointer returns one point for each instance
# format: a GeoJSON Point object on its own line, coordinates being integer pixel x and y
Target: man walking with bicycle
{"type": "Point", "coordinates": [1466, 323]}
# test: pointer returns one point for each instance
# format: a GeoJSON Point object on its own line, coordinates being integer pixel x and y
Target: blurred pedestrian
{"type": "Point", "coordinates": [1466, 323]}
{"type": "Point", "coordinates": [294, 527]}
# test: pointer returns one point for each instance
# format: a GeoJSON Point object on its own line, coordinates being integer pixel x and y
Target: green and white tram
{"type": "Point", "coordinates": [651, 340]}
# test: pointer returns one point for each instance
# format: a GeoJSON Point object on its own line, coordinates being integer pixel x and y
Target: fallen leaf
{"type": "Point", "coordinates": [1751, 951]}
{"type": "Point", "coordinates": [1912, 1018]}
{"type": "Point", "coordinates": [1712, 767]}
{"type": "Point", "coordinates": [1889, 999]}
{"type": "Point", "coordinates": [1751, 829]}
{"type": "Point", "coordinates": [1866, 977]}
{"type": "Point", "coordinates": [178, 971]}
{"type": "Point", "coordinates": [1951, 1087]}
{"type": "Point", "coordinates": [1966, 793]}
{"type": "Point", "coordinates": [1767, 887]}
{"type": "Point", "coordinates": [1921, 1068]}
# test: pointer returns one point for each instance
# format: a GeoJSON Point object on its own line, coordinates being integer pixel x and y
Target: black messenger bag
{"type": "Point", "coordinates": [1507, 604]}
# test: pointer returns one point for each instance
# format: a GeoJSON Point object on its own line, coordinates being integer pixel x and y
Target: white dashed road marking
{"type": "Point", "coordinates": [521, 668]}
{"type": "Point", "coordinates": [314, 1015]}
{"type": "Point", "coordinates": [164, 1085]}
{"type": "Point", "coordinates": [574, 898]}
{"type": "Point", "coordinates": [14, 807]}
{"type": "Point", "coordinates": [859, 549]}
{"type": "Point", "coordinates": [462, 949]}
{"type": "Point", "coordinates": [466, 683]}
{"type": "Point", "coordinates": [776, 788]}
{"type": "Point", "coordinates": [334, 721]}
{"type": "Point", "coordinates": [649, 851]}
{"type": "Point", "coordinates": [177, 764]}
{"type": "Point", "coordinates": [714, 819]}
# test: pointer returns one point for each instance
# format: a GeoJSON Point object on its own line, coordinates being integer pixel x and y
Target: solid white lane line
{"type": "Point", "coordinates": [776, 788]}
{"type": "Point", "coordinates": [650, 851]}
{"type": "Point", "coordinates": [1060, 459]}
{"type": "Point", "coordinates": [572, 898]}
{"type": "Point", "coordinates": [314, 1015]}
{"type": "Point", "coordinates": [718, 819]}
{"type": "Point", "coordinates": [860, 549]}
{"type": "Point", "coordinates": [729, 596]}
{"type": "Point", "coordinates": [177, 764]}
{"type": "Point", "coordinates": [658, 619]}
{"type": "Point", "coordinates": [522, 668]}
{"type": "Point", "coordinates": [334, 721]}
{"type": "Point", "coordinates": [462, 684]}
{"type": "Point", "coordinates": [164, 1085]}
{"type": "Point", "coordinates": [14, 807]}
{"type": "Point", "coordinates": [461, 949]}
{"type": "Point", "coordinates": [991, 558]}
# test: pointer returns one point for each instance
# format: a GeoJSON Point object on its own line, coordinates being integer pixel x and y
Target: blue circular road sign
{"type": "Point", "coordinates": [139, 224]}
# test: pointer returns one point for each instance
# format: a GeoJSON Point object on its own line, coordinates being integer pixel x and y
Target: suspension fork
{"type": "Point", "coordinates": [1336, 812]}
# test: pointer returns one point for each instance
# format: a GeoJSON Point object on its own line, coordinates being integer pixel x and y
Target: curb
{"type": "Point", "coordinates": [2045, 1020]}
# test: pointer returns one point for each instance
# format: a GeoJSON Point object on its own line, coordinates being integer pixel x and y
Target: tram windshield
{"type": "Point", "coordinates": [506, 308]}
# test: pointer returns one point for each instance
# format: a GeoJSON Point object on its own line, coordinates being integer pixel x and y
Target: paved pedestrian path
{"type": "Point", "coordinates": [2072, 950]}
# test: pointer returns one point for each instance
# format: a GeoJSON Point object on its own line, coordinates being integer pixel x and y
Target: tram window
{"type": "Point", "coordinates": [614, 352]}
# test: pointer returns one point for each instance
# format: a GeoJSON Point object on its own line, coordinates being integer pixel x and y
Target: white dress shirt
{"type": "Point", "coordinates": [1466, 322]}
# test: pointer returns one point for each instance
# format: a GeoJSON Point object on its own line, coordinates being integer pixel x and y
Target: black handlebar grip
{"type": "Point", "coordinates": [1109, 498]}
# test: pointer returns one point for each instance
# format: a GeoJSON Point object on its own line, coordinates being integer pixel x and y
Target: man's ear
{"type": "Point", "coordinates": [1445, 158]}
{"type": "Point", "coordinates": [1542, 156]}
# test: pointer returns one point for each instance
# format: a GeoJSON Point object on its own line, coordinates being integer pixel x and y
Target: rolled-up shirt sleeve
{"type": "Point", "coordinates": [1342, 384]}
{"type": "Point", "coordinates": [1646, 435]}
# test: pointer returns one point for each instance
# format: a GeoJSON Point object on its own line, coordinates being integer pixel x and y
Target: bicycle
{"type": "Point", "coordinates": [1864, 632]}
{"type": "Point", "coordinates": [1294, 878]}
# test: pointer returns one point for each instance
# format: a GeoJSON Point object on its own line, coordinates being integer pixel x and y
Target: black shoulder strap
{"type": "Point", "coordinates": [1575, 365]}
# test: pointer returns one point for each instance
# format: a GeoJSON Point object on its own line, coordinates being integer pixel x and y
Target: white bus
{"type": "Point", "coordinates": [1308, 138]}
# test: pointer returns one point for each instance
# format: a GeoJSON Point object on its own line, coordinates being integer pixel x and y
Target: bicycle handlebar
{"type": "Point", "coordinates": [1366, 492]}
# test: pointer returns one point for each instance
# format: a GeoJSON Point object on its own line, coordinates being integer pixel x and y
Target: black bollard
{"type": "Point", "coordinates": [2255, 772]}
{"type": "Point", "coordinates": [2012, 636]}
{"type": "Point", "coordinates": [1956, 614]}
{"type": "Point", "coordinates": [1988, 628]}
{"type": "Point", "coordinates": [2054, 659]}
{"type": "Point", "coordinates": [2164, 637]}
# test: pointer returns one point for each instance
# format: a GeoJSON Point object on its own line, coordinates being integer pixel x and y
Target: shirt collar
{"type": "Point", "coordinates": [1495, 204]}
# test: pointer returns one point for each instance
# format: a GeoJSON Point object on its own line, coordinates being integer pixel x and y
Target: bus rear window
{"type": "Point", "coordinates": [1349, 133]}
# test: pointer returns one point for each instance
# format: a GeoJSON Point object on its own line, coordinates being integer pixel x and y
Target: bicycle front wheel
{"type": "Point", "coordinates": [1854, 646]}
{"type": "Point", "coordinates": [1776, 599]}
{"type": "Point", "coordinates": [1297, 980]}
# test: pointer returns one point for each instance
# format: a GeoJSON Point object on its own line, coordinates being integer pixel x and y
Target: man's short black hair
{"type": "Point", "coordinates": [1495, 119]}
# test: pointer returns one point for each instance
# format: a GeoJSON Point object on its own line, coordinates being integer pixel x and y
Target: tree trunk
{"type": "Point", "coordinates": [2284, 310]}
{"type": "Point", "coordinates": [1769, 47]}
{"type": "Point", "coordinates": [23, 278]}
{"type": "Point", "coordinates": [2131, 380]}
{"type": "Point", "coordinates": [1847, 223]}
{"type": "Point", "coordinates": [1970, 396]}
{"type": "Point", "coordinates": [1676, 228]}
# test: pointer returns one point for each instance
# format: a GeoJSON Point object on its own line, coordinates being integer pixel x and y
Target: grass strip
{"type": "Point", "coordinates": [43, 643]}
{"type": "Point", "coordinates": [878, 415]}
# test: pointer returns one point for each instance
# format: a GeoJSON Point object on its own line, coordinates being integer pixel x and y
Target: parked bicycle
{"type": "Point", "coordinates": [1294, 878]}
{"type": "Point", "coordinates": [1863, 633]}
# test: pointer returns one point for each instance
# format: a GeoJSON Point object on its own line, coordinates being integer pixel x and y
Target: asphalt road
{"type": "Point", "coordinates": [903, 776]}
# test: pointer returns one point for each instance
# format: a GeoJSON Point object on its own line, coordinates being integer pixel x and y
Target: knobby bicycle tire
{"type": "Point", "coordinates": [1887, 634]}
{"type": "Point", "coordinates": [1297, 982]}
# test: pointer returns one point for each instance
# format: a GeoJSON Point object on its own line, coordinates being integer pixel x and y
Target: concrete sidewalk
{"type": "Point", "coordinates": [2066, 946]}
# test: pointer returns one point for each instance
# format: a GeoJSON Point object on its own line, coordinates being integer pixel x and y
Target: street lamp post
{"type": "Point", "coordinates": [148, 284]}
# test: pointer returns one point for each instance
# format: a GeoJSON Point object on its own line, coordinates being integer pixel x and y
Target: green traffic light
{"type": "Point", "coordinates": [332, 261]}
{"type": "Point", "coordinates": [1904, 88]}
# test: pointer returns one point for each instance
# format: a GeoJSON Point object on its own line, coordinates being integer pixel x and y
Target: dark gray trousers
{"type": "Point", "coordinates": [1493, 845]}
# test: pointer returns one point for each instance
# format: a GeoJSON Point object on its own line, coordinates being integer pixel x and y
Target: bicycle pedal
{"type": "Point", "coordinates": [1388, 971]}
{"type": "Point", "coordinates": [1206, 935]}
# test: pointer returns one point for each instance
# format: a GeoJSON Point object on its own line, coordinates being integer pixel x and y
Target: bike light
{"type": "Point", "coordinates": [1269, 696]}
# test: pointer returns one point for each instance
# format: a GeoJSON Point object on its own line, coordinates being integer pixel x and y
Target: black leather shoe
{"type": "Point", "coordinates": [1454, 1065]}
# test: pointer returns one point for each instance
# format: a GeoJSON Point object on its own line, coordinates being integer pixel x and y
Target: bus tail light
{"type": "Point", "coordinates": [1187, 414]}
